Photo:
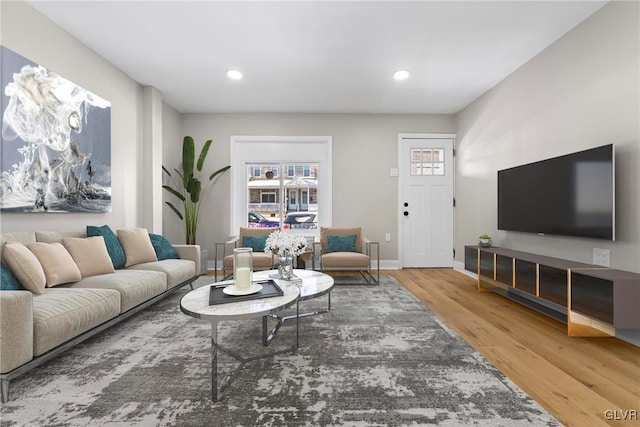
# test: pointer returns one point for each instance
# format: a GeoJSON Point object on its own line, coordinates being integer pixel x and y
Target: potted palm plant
{"type": "Point", "coordinates": [188, 188]}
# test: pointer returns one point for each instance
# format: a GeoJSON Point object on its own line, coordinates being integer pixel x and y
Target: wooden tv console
{"type": "Point", "coordinates": [592, 300]}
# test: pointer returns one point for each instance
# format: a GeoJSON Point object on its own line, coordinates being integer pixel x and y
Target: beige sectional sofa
{"type": "Point", "coordinates": [34, 327]}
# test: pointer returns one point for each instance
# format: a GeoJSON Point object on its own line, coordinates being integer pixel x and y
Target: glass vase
{"type": "Point", "coordinates": [285, 266]}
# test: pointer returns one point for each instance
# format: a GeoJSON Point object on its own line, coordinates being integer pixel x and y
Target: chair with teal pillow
{"type": "Point", "coordinates": [254, 238]}
{"type": "Point", "coordinates": [346, 249]}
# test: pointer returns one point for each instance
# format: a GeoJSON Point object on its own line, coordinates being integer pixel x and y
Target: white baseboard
{"type": "Point", "coordinates": [390, 264]}
{"type": "Point", "coordinates": [459, 266]}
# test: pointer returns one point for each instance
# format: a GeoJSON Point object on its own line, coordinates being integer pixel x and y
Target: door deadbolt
{"type": "Point", "coordinates": [406, 213]}
{"type": "Point", "coordinates": [406, 204]}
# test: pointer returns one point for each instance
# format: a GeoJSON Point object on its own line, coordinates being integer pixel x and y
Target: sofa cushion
{"type": "Point", "coordinates": [8, 281]}
{"type": "Point", "coordinates": [60, 314]}
{"type": "Point", "coordinates": [113, 244]}
{"type": "Point", "coordinates": [261, 261]}
{"type": "Point", "coordinates": [162, 247]}
{"type": "Point", "coordinates": [57, 236]}
{"type": "Point", "coordinates": [134, 286]}
{"type": "Point", "coordinates": [346, 260]}
{"type": "Point", "coordinates": [90, 254]}
{"type": "Point", "coordinates": [58, 265]}
{"type": "Point", "coordinates": [16, 329]}
{"type": "Point", "coordinates": [19, 236]}
{"type": "Point", "coordinates": [137, 246]}
{"type": "Point", "coordinates": [25, 266]}
{"type": "Point", "coordinates": [345, 243]}
{"type": "Point", "coordinates": [176, 270]}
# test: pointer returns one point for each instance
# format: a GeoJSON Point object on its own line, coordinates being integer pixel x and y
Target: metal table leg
{"type": "Point", "coordinates": [268, 336]}
{"type": "Point", "coordinates": [218, 393]}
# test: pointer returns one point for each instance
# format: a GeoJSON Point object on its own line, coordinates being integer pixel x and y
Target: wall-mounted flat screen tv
{"type": "Point", "coordinates": [571, 195]}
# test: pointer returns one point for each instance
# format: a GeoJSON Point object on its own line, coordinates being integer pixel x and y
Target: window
{"type": "Point", "coordinates": [278, 199]}
{"type": "Point", "coordinates": [268, 197]}
{"type": "Point", "coordinates": [427, 161]}
{"type": "Point", "coordinates": [299, 182]}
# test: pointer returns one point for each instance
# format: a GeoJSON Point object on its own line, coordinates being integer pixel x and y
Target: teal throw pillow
{"type": "Point", "coordinates": [341, 243]}
{"type": "Point", "coordinates": [116, 253]}
{"type": "Point", "coordinates": [254, 242]}
{"type": "Point", "coordinates": [164, 249]}
{"type": "Point", "coordinates": [8, 281]}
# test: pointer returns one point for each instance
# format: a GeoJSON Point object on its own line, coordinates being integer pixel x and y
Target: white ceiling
{"type": "Point", "coordinates": [318, 56]}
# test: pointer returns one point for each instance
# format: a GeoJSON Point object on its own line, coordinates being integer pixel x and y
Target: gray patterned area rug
{"type": "Point", "coordinates": [379, 358]}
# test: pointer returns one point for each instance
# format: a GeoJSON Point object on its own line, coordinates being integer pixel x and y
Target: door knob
{"type": "Point", "coordinates": [406, 204]}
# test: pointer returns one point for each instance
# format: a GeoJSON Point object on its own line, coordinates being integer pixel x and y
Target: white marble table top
{"type": "Point", "coordinates": [196, 303]}
{"type": "Point", "coordinates": [313, 284]}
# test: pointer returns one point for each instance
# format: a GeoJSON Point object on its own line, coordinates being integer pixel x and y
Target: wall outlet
{"type": "Point", "coordinates": [387, 237]}
{"type": "Point", "coordinates": [602, 257]}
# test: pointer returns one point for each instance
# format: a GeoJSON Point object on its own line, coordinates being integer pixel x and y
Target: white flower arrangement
{"type": "Point", "coordinates": [282, 243]}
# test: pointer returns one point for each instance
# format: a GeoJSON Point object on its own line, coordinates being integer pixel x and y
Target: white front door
{"type": "Point", "coordinates": [426, 200]}
{"type": "Point", "coordinates": [293, 200]}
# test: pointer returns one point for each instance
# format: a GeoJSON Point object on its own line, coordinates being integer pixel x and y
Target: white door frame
{"type": "Point", "coordinates": [402, 137]}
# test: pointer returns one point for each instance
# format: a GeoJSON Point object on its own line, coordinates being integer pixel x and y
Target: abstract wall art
{"type": "Point", "coordinates": [55, 148]}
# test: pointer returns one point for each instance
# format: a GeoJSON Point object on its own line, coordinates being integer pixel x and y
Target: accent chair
{"type": "Point", "coordinates": [347, 249]}
{"type": "Point", "coordinates": [254, 238]}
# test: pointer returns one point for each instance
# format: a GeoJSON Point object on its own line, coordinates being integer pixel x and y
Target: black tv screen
{"type": "Point", "coordinates": [571, 195]}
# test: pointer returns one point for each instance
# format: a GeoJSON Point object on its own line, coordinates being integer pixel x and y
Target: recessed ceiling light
{"type": "Point", "coordinates": [401, 75]}
{"type": "Point", "coordinates": [234, 74]}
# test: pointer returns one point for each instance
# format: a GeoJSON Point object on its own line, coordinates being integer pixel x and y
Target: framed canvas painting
{"type": "Point", "coordinates": [55, 149]}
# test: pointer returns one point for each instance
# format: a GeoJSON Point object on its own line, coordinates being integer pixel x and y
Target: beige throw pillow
{"type": "Point", "coordinates": [25, 266]}
{"type": "Point", "coordinates": [137, 246]}
{"type": "Point", "coordinates": [90, 254]}
{"type": "Point", "coordinates": [56, 262]}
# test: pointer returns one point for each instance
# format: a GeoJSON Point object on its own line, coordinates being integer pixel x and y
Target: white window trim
{"type": "Point", "coordinates": [279, 149]}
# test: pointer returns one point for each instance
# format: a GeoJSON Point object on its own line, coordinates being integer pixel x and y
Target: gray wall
{"type": "Point", "coordinates": [581, 92]}
{"type": "Point", "coordinates": [47, 45]}
{"type": "Point", "coordinates": [364, 148]}
{"type": "Point", "coordinates": [172, 135]}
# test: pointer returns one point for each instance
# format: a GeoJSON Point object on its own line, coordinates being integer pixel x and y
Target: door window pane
{"type": "Point", "coordinates": [427, 161]}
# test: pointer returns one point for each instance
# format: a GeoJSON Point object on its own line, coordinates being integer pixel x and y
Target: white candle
{"type": "Point", "coordinates": [243, 278]}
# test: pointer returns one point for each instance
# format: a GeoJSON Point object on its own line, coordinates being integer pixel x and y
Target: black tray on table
{"type": "Point", "coordinates": [269, 289]}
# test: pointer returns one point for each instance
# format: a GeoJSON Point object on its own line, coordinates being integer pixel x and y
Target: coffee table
{"type": "Point", "coordinates": [196, 304]}
{"type": "Point", "coordinates": [314, 284]}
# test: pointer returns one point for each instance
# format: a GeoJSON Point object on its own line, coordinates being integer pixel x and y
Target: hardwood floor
{"type": "Point", "coordinates": [581, 381]}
